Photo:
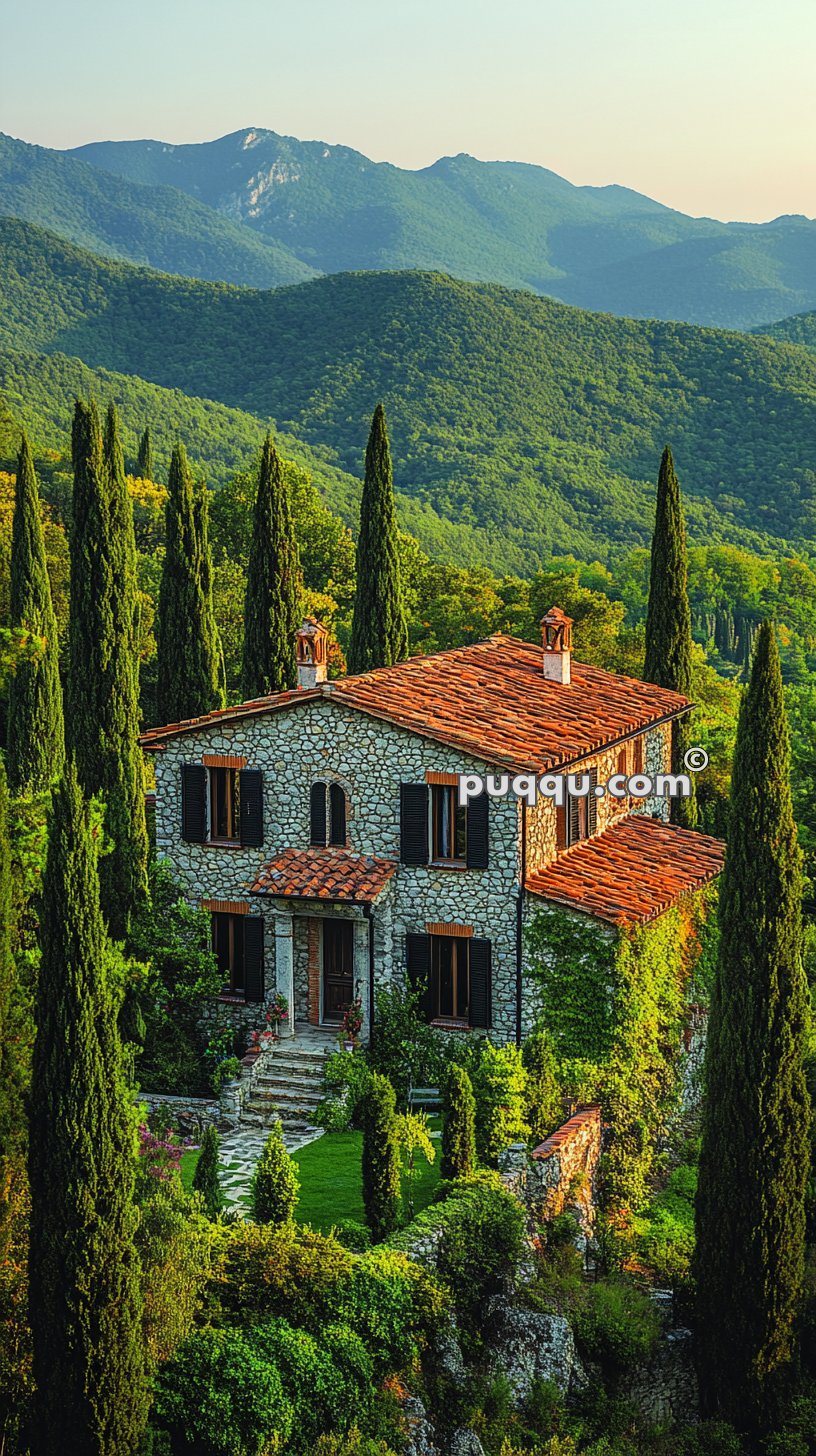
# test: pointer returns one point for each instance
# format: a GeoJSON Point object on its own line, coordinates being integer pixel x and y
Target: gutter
{"type": "Point", "coordinates": [367, 909]}
{"type": "Point", "coordinates": [520, 921]}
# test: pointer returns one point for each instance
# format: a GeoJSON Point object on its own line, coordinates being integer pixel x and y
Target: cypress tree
{"type": "Point", "coordinates": [458, 1124]}
{"type": "Point", "coordinates": [273, 586]}
{"type": "Point", "coordinates": [85, 1301]}
{"type": "Point", "coordinates": [206, 1178]}
{"type": "Point", "coordinates": [750, 1211]}
{"type": "Point", "coordinates": [201, 516]}
{"type": "Point", "coordinates": [381, 1158]}
{"type": "Point", "coordinates": [35, 752]}
{"type": "Point", "coordinates": [275, 1183]}
{"type": "Point", "coordinates": [544, 1107]}
{"type": "Point", "coordinates": [188, 671]}
{"type": "Point", "coordinates": [379, 632]}
{"type": "Point", "coordinates": [668, 621]}
{"type": "Point", "coordinates": [12, 1012]}
{"type": "Point", "coordinates": [144, 458]}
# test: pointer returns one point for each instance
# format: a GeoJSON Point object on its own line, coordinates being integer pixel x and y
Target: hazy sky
{"type": "Point", "coordinates": [708, 105]}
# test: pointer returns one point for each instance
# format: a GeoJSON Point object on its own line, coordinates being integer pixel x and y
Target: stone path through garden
{"type": "Point", "coordinates": [240, 1151]}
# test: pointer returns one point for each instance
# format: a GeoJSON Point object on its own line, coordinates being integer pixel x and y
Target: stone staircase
{"type": "Point", "coordinates": [289, 1086]}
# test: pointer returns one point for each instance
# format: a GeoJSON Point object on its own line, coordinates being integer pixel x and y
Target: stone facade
{"type": "Point", "coordinates": [322, 740]}
{"type": "Point", "coordinates": [560, 1174]}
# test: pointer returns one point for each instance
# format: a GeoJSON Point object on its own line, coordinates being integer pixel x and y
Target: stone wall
{"type": "Point", "coordinates": [191, 1115]}
{"type": "Point", "coordinates": [560, 1174]}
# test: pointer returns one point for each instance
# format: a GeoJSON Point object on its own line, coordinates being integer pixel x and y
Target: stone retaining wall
{"type": "Point", "coordinates": [559, 1175]}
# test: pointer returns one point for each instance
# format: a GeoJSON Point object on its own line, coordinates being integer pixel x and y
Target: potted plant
{"type": "Point", "coordinates": [351, 1024]}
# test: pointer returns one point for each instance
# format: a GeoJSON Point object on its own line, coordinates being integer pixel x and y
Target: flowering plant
{"type": "Point", "coordinates": [277, 1011]}
{"type": "Point", "coordinates": [352, 1022]}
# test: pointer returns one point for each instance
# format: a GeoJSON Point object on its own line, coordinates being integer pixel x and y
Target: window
{"type": "Point", "coordinates": [228, 945]}
{"type": "Point", "coordinates": [448, 825]}
{"type": "Point", "coordinates": [450, 978]}
{"type": "Point", "coordinates": [327, 815]}
{"type": "Point", "coordinates": [225, 804]}
{"type": "Point", "coordinates": [578, 818]}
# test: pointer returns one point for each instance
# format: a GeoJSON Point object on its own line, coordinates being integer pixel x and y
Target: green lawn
{"type": "Point", "coordinates": [330, 1182]}
{"type": "Point", "coordinates": [188, 1167]}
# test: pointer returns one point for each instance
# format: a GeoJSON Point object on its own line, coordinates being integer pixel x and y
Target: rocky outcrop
{"type": "Point", "coordinates": [421, 1437]}
{"type": "Point", "coordinates": [526, 1346]}
{"type": "Point", "coordinates": [465, 1443]}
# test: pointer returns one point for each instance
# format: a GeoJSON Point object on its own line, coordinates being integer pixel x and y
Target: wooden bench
{"type": "Point", "coordinates": [429, 1098]}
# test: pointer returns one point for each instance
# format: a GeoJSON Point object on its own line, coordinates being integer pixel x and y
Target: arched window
{"type": "Point", "coordinates": [317, 814]}
{"type": "Point", "coordinates": [327, 814]}
{"type": "Point", "coordinates": [337, 815]}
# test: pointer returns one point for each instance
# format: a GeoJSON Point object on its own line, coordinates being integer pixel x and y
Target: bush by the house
{"type": "Point", "coordinates": [544, 1105]}
{"type": "Point", "coordinates": [206, 1178]}
{"type": "Point", "coordinates": [219, 1396]}
{"type": "Point", "coordinates": [500, 1089]}
{"type": "Point", "coordinates": [665, 1232]}
{"type": "Point", "coordinates": [347, 1077]}
{"type": "Point", "coordinates": [406, 1049]}
{"type": "Point", "coordinates": [393, 1305]}
{"type": "Point", "coordinates": [352, 1235]}
{"type": "Point", "coordinates": [458, 1124]}
{"type": "Point", "coordinates": [287, 1269]}
{"type": "Point", "coordinates": [381, 1159]}
{"type": "Point", "coordinates": [275, 1184]}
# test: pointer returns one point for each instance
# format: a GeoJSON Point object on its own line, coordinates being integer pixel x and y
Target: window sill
{"type": "Point", "coordinates": [230, 998]}
{"type": "Point", "coordinates": [224, 843]}
{"type": "Point", "coordinates": [448, 864]}
{"type": "Point", "coordinates": [450, 1023]}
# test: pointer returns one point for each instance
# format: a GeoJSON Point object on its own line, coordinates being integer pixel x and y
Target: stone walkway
{"type": "Point", "coordinates": [240, 1151]}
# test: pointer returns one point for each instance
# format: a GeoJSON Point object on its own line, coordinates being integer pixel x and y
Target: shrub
{"type": "Point", "coordinates": [482, 1238]}
{"type": "Point", "coordinates": [206, 1178]}
{"type": "Point", "coordinates": [458, 1124]}
{"type": "Point", "coordinates": [381, 1159]}
{"type": "Point", "coordinates": [351, 1444]}
{"type": "Point", "coordinates": [174, 1245]}
{"type": "Point", "coordinates": [287, 1269]}
{"type": "Point", "coordinates": [348, 1078]}
{"type": "Point", "coordinates": [275, 1184]}
{"type": "Point", "coordinates": [406, 1049]}
{"type": "Point", "coordinates": [500, 1090]}
{"type": "Point", "coordinates": [616, 1324]}
{"type": "Point", "coordinates": [665, 1234]}
{"type": "Point", "coordinates": [220, 1396]}
{"type": "Point", "coordinates": [544, 1109]}
{"type": "Point", "coordinates": [394, 1306]}
{"type": "Point", "coordinates": [352, 1235]}
{"type": "Point", "coordinates": [326, 1381]}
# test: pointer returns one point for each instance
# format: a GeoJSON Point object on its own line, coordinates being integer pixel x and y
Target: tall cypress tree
{"type": "Point", "coordinates": [144, 458]}
{"type": "Point", "coordinates": [379, 632]}
{"type": "Point", "coordinates": [273, 586]}
{"type": "Point", "coordinates": [35, 751]}
{"type": "Point", "coordinates": [668, 621]}
{"type": "Point", "coordinates": [188, 676]}
{"type": "Point", "coordinates": [201, 516]}
{"type": "Point", "coordinates": [755, 1155]}
{"type": "Point", "coordinates": [85, 1304]}
{"type": "Point", "coordinates": [13, 1050]}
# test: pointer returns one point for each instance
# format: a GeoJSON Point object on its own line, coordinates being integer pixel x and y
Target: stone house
{"type": "Point", "coordinates": [321, 826]}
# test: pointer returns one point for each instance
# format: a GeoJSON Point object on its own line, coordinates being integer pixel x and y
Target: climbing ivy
{"type": "Point", "coordinates": [615, 1004]}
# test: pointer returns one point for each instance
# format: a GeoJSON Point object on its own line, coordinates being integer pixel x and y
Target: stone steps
{"type": "Point", "coordinates": [290, 1087]}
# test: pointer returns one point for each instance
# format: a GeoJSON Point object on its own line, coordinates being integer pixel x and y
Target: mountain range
{"type": "Point", "coordinates": [262, 209]}
{"type": "Point", "coordinates": [521, 427]}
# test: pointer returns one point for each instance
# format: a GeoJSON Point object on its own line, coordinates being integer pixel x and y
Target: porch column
{"type": "Point", "coordinates": [363, 931]}
{"type": "Point", "coordinates": [285, 966]}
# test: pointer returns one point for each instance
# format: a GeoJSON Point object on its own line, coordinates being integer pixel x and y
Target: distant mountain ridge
{"type": "Point", "coordinates": [520, 427]}
{"type": "Point", "coordinates": [605, 248]}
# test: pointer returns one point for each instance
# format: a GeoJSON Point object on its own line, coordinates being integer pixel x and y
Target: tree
{"type": "Point", "coordinates": [188, 658]}
{"type": "Point", "coordinates": [144, 459]}
{"type": "Point", "coordinates": [381, 1158]}
{"type": "Point", "coordinates": [201, 516]}
{"type": "Point", "coordinates": [85, 1303]}
{"type": "Point", "coordinates": [379, 633]}
{"type": "Point", "coordinates": [206, 1179]}
{"type": "Point", "coordinates": [668, 621]}
{"type": "Point", "coordinates": [35, 751]}
{"type": "Point", "coordinates": [12, 1012]}
{"type": "Point", "coordinates": [458, 1124]}
{"type": "Point", "coordinates": [275, 1184]}
{"type": "Point", "coordinates": [273, 586]}
{"type": "Point", "coordinates": [544, 1106]}
{"type": "Point", "coordinates": [750, 1211]}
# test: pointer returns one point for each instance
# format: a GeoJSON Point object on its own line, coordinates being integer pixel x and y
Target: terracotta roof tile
{"type": "Point", "coordinates": [324, 874]}
{"type": "Point", "coordinates": [630, 873]}
{"type": "Point", "coordinates": [490, 700]}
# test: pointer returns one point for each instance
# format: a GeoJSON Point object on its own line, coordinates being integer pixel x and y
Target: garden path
{"type": "Point", "coordinates": [240, 1151]}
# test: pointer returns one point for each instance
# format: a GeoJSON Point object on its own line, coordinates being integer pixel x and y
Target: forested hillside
{"type": "Point", "coordinates": [504, 222]}
{"type": "Point", "coordinates": [532, 425]}
{"type": "Point", "coordinates": [120, 219]}
{"type": "Point", "coordinates": [801, 329]}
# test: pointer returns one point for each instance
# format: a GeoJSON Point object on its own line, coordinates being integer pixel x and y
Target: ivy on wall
{"type": "Point", "coordinates": [615, 1003]}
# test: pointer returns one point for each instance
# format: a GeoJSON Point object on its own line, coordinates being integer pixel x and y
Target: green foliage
{"type": "Point", "coordinates": [665, 1233]}
{"type": "Point", "coordinates": [275, 1182]}
{"type": "Point", "coordinates": [206, 1178]}
{"type": "Point", "coordinates": [273, 586]}
{"type": "Point", "coordinates": [394, 1306]}
{"type": "Point", "coordinates": [35, 747]}
{"type": "Point", "coordinates": [85, 1300]}
{"type": "Point", "coordinates": [287, 1269]}
{"type": "Point", "coordinates": [13, 1017]}
{"type": "Point", "coordinates": [379, 633]}
{"type": "Point", "coordinates": [348, 1078]}
{"type": "Point", "coordinates": [173, 1241]}
{"type": "Point", "coordinates": [221, 1396]}
{"type": "Point", "coordinates": [381, 1159]}
{"type": "Point", "coordinates": [189, 666]}
{"type": "Point", "coordinates": [352, 1235]}
{"type": "Point", "coordinates": [405, 1050]}
{"type": "Point", "coordinates": [617, 1325]}
{"type": "Point", "coordinates": [749, 1264]}
{"type": "Point", "coordinates": [458, 1124]}
{"type": "Point", "coordinates": [499, 1083]}
{"type": "Point", "coordinates": [328, 1382]}
{"type": "Point", "coordinates": [144, 456]}
{"type": "Point", "coordinates": [544, 1109]}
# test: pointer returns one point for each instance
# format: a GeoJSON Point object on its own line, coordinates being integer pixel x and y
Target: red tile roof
{"type": "Point", "coordinates": [630, 873]}
{"type": "Point", "coordinates": [324, 874]}
{"type": "Point", "coordinates": [490, 700]}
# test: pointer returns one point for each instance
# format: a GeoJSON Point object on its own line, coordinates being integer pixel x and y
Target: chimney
{"type": "Point", "coordinates": [556, 637]}
{"type": "Point", "coordinates": [310, 653]}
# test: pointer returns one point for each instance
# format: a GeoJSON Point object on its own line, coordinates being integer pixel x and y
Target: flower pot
{"type": "Point", "coordinates": [348, 1046]}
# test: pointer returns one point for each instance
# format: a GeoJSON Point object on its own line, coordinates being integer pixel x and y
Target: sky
{"type": "Point", "coordinates": [706, 105]}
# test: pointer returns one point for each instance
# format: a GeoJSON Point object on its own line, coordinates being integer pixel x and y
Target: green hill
{"type": "Point", "coordinates": [801, 329]}
{"type": "Point", "coordinates": [159, 226]}
{"type": "Point", "coordinates": [603, 248]}
{"type": "Point", "coordinates": [532, 427]}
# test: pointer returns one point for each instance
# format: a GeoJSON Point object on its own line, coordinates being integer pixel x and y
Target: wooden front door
{"type": "Point", "coordinates": [338, 967]}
